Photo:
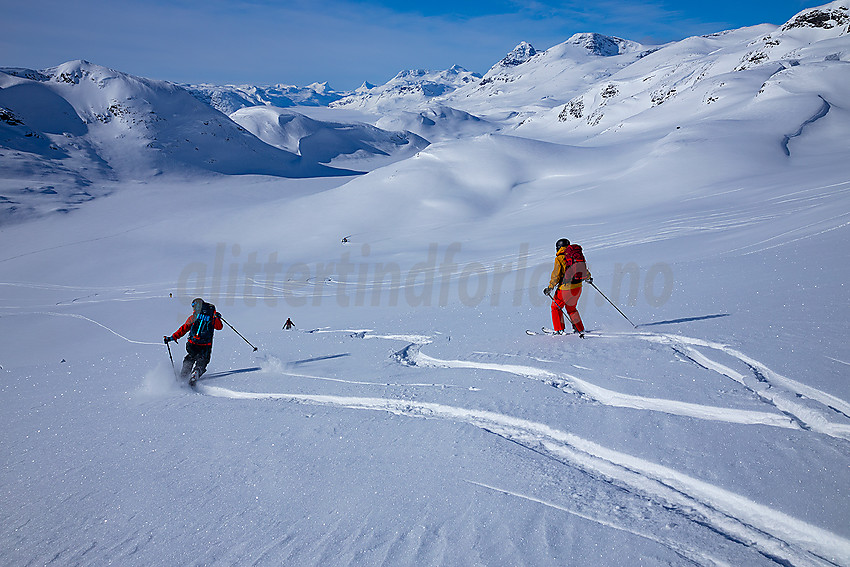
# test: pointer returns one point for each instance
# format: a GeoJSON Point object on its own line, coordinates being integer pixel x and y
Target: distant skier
{"type": "Point", "coordinates": [567, 276]}
{"type": "Point", "coordinates": [289, 324]}
{"type": "Point", "coordinates": [200, 325]}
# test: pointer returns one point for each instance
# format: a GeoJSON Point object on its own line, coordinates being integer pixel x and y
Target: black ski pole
{"type": "Point", "coordinates": [237, 332]}
{"type": "Point", "coordinates": [168, 346]}
{"type": "Point", "coordinates": [612, 303]}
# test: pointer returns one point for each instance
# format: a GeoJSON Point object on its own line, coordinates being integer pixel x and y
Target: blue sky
{"type": "Point", "coordinates": [342, 42]}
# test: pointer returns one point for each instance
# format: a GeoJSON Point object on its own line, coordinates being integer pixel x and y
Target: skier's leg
{"type": "Point", "coordinates": [203, 359]}
{"type": "Point", "coordinates": [571, 302]}
{"type": "Point", "coordinates": [557, 314]}
{"type": "Point", "coordinates": [193, 354]}
{"type": "Point", "coordinates": [188, 362]}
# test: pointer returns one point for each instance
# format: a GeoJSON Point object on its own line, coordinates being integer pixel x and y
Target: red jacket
{"type": "Point", "coordinates": [188, 325]}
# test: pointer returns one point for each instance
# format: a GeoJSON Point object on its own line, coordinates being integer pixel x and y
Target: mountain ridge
{"type": "Point", "coordinates": [69, 131]}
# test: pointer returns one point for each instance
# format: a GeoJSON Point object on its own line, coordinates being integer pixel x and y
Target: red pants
{"type": "Point", "coordinates": [567, 299]}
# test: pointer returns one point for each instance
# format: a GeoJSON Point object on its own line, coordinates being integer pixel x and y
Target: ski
{"type": "Point", "coordinates": [551, 332]}
{"type": "Point", "coordinates": [542, 331]}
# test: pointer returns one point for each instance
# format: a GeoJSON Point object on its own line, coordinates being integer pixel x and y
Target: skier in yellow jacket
{"type": "Point", "coordinates": [567, 276]}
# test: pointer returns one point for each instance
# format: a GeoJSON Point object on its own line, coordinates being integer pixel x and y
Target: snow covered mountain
{"type": "Point", "coordinates": [229, 98]}
{"type": "Point", "coordinates": [84, 127]}
{"type": "Point", "coordinates": [408, 89]}
{"type": "Point", "coordinates": [67, 129]}
{"type": "Point", "coordinates": [408, 419]}
{"type": "Point", "coordinates": [703, 79]}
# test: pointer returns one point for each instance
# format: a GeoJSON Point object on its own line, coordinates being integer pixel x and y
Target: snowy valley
{"type": "Point", "coordinates": [408, 230]}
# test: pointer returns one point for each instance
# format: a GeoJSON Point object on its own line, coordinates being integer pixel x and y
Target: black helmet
{"type": "Point", "coordinates": [562, 243]}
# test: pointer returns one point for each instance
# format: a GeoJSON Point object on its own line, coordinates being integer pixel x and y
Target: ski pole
{"type": "Point", "coordinates": [237, 332]}
{"type": "Point", "coordinates": [168, 346]}
{"type": "Point", "coordinates": [612, 304]}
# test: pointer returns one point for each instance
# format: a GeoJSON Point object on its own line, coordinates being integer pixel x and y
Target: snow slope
{"type": "Point", "coordinates": [323, 142]}
{"type": "Point", "coordinates": [408, 419]}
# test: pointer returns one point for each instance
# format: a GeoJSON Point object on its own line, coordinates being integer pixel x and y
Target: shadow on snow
{"type": "Point", "coordinates": [684, 320]}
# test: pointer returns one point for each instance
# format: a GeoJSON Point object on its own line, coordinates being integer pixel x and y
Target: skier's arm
{"type": "Point", "coordinates": [184, 328]}
{"type": "Point", "coordinates": [557, 275]}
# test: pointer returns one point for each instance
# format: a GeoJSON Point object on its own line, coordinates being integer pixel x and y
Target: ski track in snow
{"type": "Point", "coordinates": [774, 534]}
{"type": "Point", "coordinates": [687, 552]}
{"type": "Point", "coordinates": [284, 372]}
{"type": "Point", "coordinates": [837, 360]}
{"type": "Point", "coordinates": [569, 383]}
{"type": "Point", "coordinates": [84, 318]}
{"type": "Point", "coordinates": [784, 395]}
{"type": "Point", "coordinates": [775, 389]}
{"type": "Point", "coordinates": [93, 239]}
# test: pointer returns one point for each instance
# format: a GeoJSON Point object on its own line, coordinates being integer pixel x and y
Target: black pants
{"type": "Point", "coordinates": [197, 356]}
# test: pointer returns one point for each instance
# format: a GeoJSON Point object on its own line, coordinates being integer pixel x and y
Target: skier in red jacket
{"type": "Point", "coordinates": [567, 276]}
{"type": "Point", "coordinates": [200, 325]}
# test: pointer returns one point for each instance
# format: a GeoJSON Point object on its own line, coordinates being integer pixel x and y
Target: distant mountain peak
{"type": "Point", "coordinates": [598, 44]}
{"type": "Point", "coordinates": [417, 84]}
{"type": "Point", "coordinates": [73, 71]}
{"type": "Point", "coordinates": [411, 74]}
{"type": "Point", "coordinates": [418, 75]}
{"type": "Point", "coordinates": [828, 16]}
{"type": "Point", "coordinates": [320, 88]}
{"type": "Point", "coordinates": [520, 54]}
{"type": "Point", "coordinates": [76, 64]}
{"type": "Point", "coordinates": [230, 98]}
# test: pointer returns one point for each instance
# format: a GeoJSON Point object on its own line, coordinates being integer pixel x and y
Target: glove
{"type": "Point", "coordinates": [167, 339]}
{"type": "Point", "coordinates": [547, 291]}
{"type": "Point", "coordinates": [588, 279]}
